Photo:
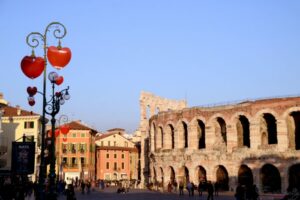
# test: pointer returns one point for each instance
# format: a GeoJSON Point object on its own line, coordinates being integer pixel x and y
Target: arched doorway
{"type": "Point", "coordinates": [243, 132]}
{"type": "Point", "coordinates": [186, 137]}
{"type": "Point", "coordinates": [270, 179]}
{"type": "Point", "coordinates": [161, 178]}
{"type": "Point", "coordinates": [172, 175]}
{"type": "Point", "coordinates": [221, 129]}
{"type": "Point", "coordinates": [186, 175]}
{"type": "Point", "coordinates": [201, 174]}
{"type": "Point", "coordinates": [222, 178]}
{"type": "Point", "coordinates": [269, 127]}
{"type": "Point", "coordinates": [201, 133]}
{"type": "Point", "coordinates": [154, 180]}
{"type": "Point", "coordinates": [245, 176]}
{"type": "Point", "coordinates": [294, 177]}
{"type": "Point", "coordinates": [294, 130]}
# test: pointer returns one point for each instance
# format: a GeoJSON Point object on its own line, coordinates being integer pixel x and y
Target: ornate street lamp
{"type": "Point", "coordinates": [33, 67]}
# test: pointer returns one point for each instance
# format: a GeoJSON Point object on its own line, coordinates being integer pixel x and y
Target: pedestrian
{"type": "Point", "coordinates": [169, 187]}
{"type": "Point", "coordinates": [175, 186]}
{"type": "Point", "coordinates": [181, 188]}
{"type": "Point", "coordinates": [82, 187]}
{"type": "Point", "coordinates": [210, 191]}
{"type": "Point", "coordinates": [189, 188]}
{"type": "Point", "coordinates": [239, 192]}
{"type": "Point", "coordinates": [192, 188]}
{"type": "Point", "coordinates": [216, 186]}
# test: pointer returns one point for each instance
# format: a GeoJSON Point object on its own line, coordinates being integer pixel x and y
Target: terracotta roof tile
{"type": "Point", "coordinates": [10, 111]}
{"type": "Point", "coordinates": [76, 125]}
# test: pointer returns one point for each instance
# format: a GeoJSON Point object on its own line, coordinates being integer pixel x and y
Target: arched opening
{"type": "Point", "coordinates": [294, 177]}
{"type": "Point", "coordinates": [172, 136]}
{"type": "Point", "coordinates": [161, 178]}
{"type": "Point", "coordinates": [270, 125]}
{"type": "Point", "coordinates": [201, 174]}
{"type": "Point", "coordinates": [157, 110]}
{"type": "Point", "coordinates": [270, 179]}
{"type": "Point", "coordinates": [185, 132]}
{"type": "Point", "coordinates": [222, 178]}
{"type": "Point", "coordinates": [162, 137]}
{"type": "Point", "coordinates": [243, 132]}
{"type": "Point", "coordinates": [172, 175]}
{"type": "Point", "coordinates": [245, 176]}
{"type": "Point", "coordinates": [186, 175]}
{"type": "Point", "coordinates": [154, 176]}
{"type": "Point", "coordinates": [222, 129]}
{"type": "Point", "coordinates": [147, 112]}
{"type": "Point", "coordinates": [294, 129]}
{"type": "Point", "coordinates": [201, 132]}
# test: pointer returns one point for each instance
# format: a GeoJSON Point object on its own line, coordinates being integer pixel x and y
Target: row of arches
{"type": "Point", "coordinates": [269, 177]}
{"type": "Point", "coordinates": [194, 134]}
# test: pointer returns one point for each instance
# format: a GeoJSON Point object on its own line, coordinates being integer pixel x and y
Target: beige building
{"type": "Point", "coordinates": [3, 138]}
{"type": "Point", "coordinates": [250, 142]}
{"type": "Point", "coordinates": [15, 123]}
{"type": "Point", "coordinates": [117, 156]}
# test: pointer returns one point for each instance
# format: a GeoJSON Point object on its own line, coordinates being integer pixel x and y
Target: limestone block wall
{"type": "Point", "coordinates": [254, 135]}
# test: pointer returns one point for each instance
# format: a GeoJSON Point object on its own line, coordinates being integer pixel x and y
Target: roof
{"type": "Point", "coordinates": [116, 129]}
{"type": "Point", "coordinates": [10, 111]}
{"type": "Point", "coordinates": [77, 125]}
{"type": "Point", "coordinates": [104, 135]}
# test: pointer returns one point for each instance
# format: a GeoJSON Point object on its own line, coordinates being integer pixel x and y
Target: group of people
{"type": "Point", "coordinates": [246, 192]}
{"type": "Point", "coordinates": [191, 187]}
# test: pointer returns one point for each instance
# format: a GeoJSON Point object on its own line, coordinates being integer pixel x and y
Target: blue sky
{"type": "Point", "coordinates": [202, 51]}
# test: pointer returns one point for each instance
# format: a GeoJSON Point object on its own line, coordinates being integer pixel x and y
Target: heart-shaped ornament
{"type": "Point", "coordinates": [59, 80]}
{"type": "Point", "coordinates": [32, 66]}
{"type": "Point", "coordinates": [31, 91]}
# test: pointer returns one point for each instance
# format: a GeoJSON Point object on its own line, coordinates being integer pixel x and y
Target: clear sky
{"type": "Point", "coordinates": [202, 51]}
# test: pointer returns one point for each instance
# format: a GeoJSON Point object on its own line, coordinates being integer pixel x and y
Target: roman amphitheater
{"type": "Point", "coordinates": [256, 142]}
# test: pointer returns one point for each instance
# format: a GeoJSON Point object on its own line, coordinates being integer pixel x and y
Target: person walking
{"type": "Point", "coordinates": [181, 188]}
{"type": "Point", "coordinates": [210, 191]}
{"type": "Point", "coordinates": [189, 188]}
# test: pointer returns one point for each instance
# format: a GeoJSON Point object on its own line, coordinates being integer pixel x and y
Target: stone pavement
{"type": "Point", "coordinates": [138, 194]}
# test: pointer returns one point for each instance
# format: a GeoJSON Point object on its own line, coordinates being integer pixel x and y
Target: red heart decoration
{"type": "Point", "coordinates": [31, 91]}
{"type": "Point", "coordinates": [31, 102]}
{"type": "Point", "coordinates": [64, 139]}
{"type": "Point", "coordinates": [32, 66]}
{"type": "Point", "coordinates": [64, 129]}
{"type": "Point", "coordinates": [59, 57]}
{"type": "Point", "coordinates": [59, 80]}
{"type": "Point", "coordinates": [56, 132]}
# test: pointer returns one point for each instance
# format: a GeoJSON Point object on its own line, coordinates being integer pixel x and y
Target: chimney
{"type": "Point", "coordinates": [18, 110]}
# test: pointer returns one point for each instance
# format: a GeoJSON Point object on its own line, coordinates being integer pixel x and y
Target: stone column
{"type": "Point", "coordinates": [282, 135]}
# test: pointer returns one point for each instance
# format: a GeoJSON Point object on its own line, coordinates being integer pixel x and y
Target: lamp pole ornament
{"type": "Point", "coordinates": [33, 67]}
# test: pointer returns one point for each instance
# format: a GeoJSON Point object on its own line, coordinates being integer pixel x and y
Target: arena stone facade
{"type": "Point", "coordinates": [254, 142]}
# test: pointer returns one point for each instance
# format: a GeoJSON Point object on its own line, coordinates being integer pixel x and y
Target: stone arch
{"type": "Point", "coordinates": [243, 131]}
{"type": "Point", "coordinates": [292, 117]}
{"type": "Point", "coordinates": [170, 139]}
{"type": "Point", "coordinates": [294, 177]}
{"type": "Point", "coordinates": [201, 174]}
{"type": "Point", "coordinates": [183, 174]}
{"type": "Point", "coordinates": [172, 175]}
{"type": "Point", "coordinates": [160, 137]}
{"type": "Point", "coordinates": [222, 178]}
{"type": "Point", "coordinates": [268, 126]}
{"type": "Point", "coordinates": [197, 133]}
{"type": "Point", "coordinates": [153, 138]}
{"type": "Point", "coordinates": [245, 176]}
{"type": "Point", "coordinates": [270, 179]}
{"type": "Point", "coordinates": [182, 134]}
{"type": "Point", "coordinates": [161, 181]}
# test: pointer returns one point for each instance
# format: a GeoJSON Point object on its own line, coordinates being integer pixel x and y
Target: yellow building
{"type": "Point", "coordinates": [15, 123]}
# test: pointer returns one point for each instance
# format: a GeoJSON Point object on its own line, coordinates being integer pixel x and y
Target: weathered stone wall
{"type": "Point", "coordinates": [150, 105]}
{"type": "Point", "coordinates": [228, 150]}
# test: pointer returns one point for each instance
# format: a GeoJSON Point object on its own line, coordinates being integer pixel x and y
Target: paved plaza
{"type": "Point", "coordinates": [138, 194]}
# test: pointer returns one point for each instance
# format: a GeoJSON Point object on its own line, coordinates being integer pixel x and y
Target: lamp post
{"type": "Point", "coordinates": [33, 67]}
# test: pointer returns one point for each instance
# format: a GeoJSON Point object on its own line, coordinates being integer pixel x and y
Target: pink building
{"type": "Point", "coordinates": [117, 157]}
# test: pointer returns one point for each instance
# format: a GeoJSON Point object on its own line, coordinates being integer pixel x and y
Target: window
{"type": "Point", "coordinates": [73, 148]}
{"type": "Point", "coordinates": [107, 165]}
{"type": "Point", "coordinates": [115, 155]}
{"type": "Point", "coordinates": [107, 155]}
{"type": "Point", "coordinates": [82, 161]}
{"type": "Point", "coordinates": [74, 135]}
{"type": "Point", "coordinates": [123, 165]}
{"type": "Point", "coordinates": [82, 134]}
{"type": "Point", "coordinates": [115, 143]}
{"type": "Point", "coordinates": [115, 166]}
{"type": "Point", "coordinates": [102, 143]}
{"type": "Point", "coordinates": [109, 143]}
{"type": "Point", "coordinates": [123, 155]}
{"type": "Point", "coordinates": [74, 161]}
{"type": "Point", "coordinates": [29, 124]}
{"type": "Point", "coordinates": [126, 144]}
